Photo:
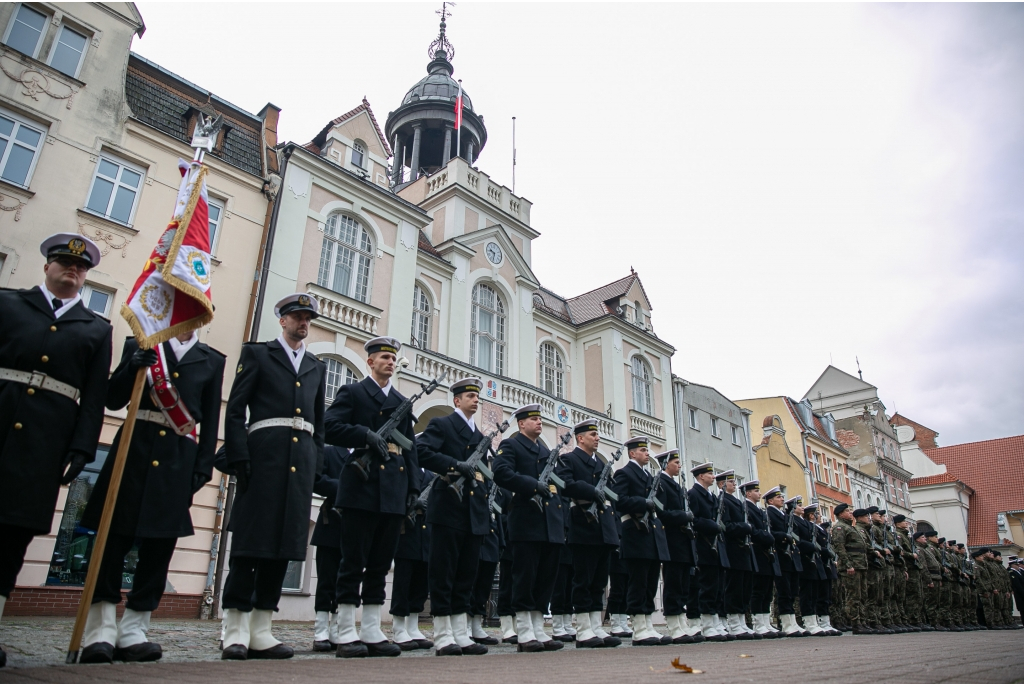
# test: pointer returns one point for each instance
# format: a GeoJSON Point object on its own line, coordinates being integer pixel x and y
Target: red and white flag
{"type": "Point", "coordinates": [172, 296]}
{"type": "Point", "coordinates": [458, 109]}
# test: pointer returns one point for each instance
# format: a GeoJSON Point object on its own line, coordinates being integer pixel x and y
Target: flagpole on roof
{"type": "Point", "coordinates": [458, 125]}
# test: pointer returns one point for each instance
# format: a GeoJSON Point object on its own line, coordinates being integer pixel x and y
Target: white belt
{"type": "Point", "coordinates": [294, 423]}
{"type": "Point", "coordinates": [159, 419]}
{"type": "Point", "coordinates": [38, 379]}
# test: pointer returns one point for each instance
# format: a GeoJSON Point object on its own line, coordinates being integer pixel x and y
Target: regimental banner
{"type": "Point", "coordinates": [172, 296]}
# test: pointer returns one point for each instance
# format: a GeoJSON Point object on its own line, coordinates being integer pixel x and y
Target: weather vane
{"type": "Point", "coordinates": [441, 43]}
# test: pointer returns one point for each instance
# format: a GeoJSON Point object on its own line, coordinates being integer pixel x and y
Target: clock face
{"type": "Point", "coordinates": [493, 253]}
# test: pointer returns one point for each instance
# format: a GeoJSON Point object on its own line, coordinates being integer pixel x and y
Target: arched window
{"type": "Point", "coordinates": [421, 312]}
{"type": "Point", "coordinates": [638, 313]}
{"type": "Point", "coordinates": [642, 387]}
{"type": "Point", "coordinates": [552, 371]}
{"type": "Point", "coordinates": [338, 374]}
{"type": "Point", "coordinates": [859, 499]}
{"type": "Point", "coordinates": [345, 258]}
{"type": "Point", "coordinates": [487, 337]}
{"type": "Point", "coordinates": [358, 153]}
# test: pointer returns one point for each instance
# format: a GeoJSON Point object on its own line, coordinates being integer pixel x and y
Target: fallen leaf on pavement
{"type": "Point", "coordinates": [683, 667]}
{"type": "Point", "coordinates": [744, 656]}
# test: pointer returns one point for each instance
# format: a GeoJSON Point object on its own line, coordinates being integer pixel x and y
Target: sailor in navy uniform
{"type": "Point", "coordinates": [536, 534]}
{"type": "Point", "coordinates": [592, 541]}
{"type": "Point", "coordinates": [167, 464]}
{"type": "Point", "coordinates": [373, 504]}
{"type": "Point", "coordinates": [739, 575]}
{"type": "Point", "coordinates": [275, 458]}
{"type": "Point", "coordinates": [409, 585]}
{"type": "Point", "coordinates": [787, 585]}
{"type": "Point", "coordinates": [506, 614]}
{"type": "Point", "coordinates": [54, 363]}
{"type": "Point", "coordinates": [814, 570]}
{"type": "Point", "coordinates": [763, 580]}
{"type": "Point", "coordinates": [642, 541]}
{"type": "Point", "coordinates": [327, 540]}
{"type": "Point", "coordinates": [676, 573]}
{"type": "Point", "coordinates": [458, 522]}
{"type": "Point", "coordinates": [490, 557]}
{"type": "Point", "coordinates": [704, 507]}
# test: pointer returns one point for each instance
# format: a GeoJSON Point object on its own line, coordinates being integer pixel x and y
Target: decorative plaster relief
{"type": "Point", "coordinates": [16, 208]}
{"type": "Point", "coordinates": [34, 81]}
{"type": "Point", "coordinates": [408, 235]}
{"type": "Point", "coordinates": [111, 240]}
{"type": "Point", "coordinates": [617, 341]}
{"type": "Point", "coordinates": [299, 181]}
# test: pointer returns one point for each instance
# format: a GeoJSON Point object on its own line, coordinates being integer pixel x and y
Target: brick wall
{"type": "Point", "coordinates": [847, 438]}
{"type": "Point", "coordinates": [63, 601]}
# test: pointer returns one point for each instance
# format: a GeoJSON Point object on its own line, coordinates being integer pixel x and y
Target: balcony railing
{"type": "Point", "coordinates": [344, 310]}
{"type": "Point", "coordinates": [509, 393]}
{"type": "Point", "coordinates": [647, 425]}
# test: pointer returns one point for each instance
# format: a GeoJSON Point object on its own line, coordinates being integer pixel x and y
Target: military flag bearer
{"type": "Point", "coordinates": [275, 457]}
{"type": "Point", "coordinates": [168, 462]}
{"type": "Point", "coordinates": [54, 363]}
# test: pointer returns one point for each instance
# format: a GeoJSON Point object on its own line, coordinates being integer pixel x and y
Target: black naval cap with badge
{"type": "Point", "coordinates": [665, 457]}
{"type": "Point", "coordinates": [63, 245]}
{"type": "Point", "coordinates": [297, 302]}
{"type": "Point", "coordinates": [725, 475]}
{"type": "Point", "coordinates": [527, 411]}
{"type": "Point", "coordinates": [471, 384]}
{"type": "Point", "coordinates": [751, 485]}
{"type": "Point", "coordinates": [706, 467]}
{"type": "Point", "coordinates": [773, 493]}
{"type": "Point", "coordinates": [382, 344]}
{"type": "Point", "coordinates": [587, 426]}
{"type": "Point", "coordinates": [637, 442]}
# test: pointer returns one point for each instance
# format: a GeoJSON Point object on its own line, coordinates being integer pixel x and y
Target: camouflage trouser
{"type": "Point", "coordinates": [874, 604]}
{"type": "Point", "coordinates": [1007, 607]}
{"type": "Point", "coordinates": [837, 609]}
{"type": "Point", "coordinates": [988, 609]}
{"type": "Point", "coordinates": [954, 602]}
{"type": "Point", "coordinates": [913, 593]}
{"type": "Point", "coordinates": [966, 608]}
{"type": "Point", "coordinates": [932, 600]}
{"type": "Point", "coordinates": [899, 596]}
{"type": "Point", "coordinates": [855, 592]}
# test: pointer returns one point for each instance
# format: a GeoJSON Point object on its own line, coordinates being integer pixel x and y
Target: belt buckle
{"type": "Point", "coordinates": [297, 423]}
{"type": "Point", "coordinates": [37, 379]}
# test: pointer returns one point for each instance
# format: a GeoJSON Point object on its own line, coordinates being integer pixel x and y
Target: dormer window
{"type": "Point", "coordinates": [638, 314]}
{"type": "Point", "coordinates": [359, 154]}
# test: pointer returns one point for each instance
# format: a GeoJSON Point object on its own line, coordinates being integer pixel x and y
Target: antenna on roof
{"type": "Point", "coordinates": [513, 155]}
{"type": "Point", "coordinates": [858, 369]}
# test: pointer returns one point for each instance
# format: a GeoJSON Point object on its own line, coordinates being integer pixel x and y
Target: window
{"type": "Point", "coordinates": [816, 465]}
{"type": "Point", "coordinates": [345, 258]}
{"type": "Point", "coordinates": [338, 374]}
{"type": "Point", "coordinates": [358, 153]}
{"type": "Point", "coordinates": [714, 427]}
{"type": "Point", "coordinates": [487, 337]}
{"type": "Point", "coordinates": [642, 387]}
{"type": "Point", "coordinates": [68, 51]}
{"type": "Point", "coordinates": [829, 472]}
{"type": "Point", "coordinates": [694, 424]}
{"type": "Point", "coordinates": [638, 314]}
{"type": "Point", "coordinates": [735, 435]}
{"type": "Point", "coordinates": [72, 550]}
{"type": "Point", "coordinates": [552, 371]}
{"type": "Point", "coordinates": [20, 149]}
{"type": "Point", "coordinates": [216, 216]}
{"type": "Point", "coordinates": [906, 496]}
{"type": "Point", "coordinates": [858, 498]}
{"type": "Point", "coordinates": [421, 312]}
{"type": "Point", "coordinates": [115, 190]}
{"type": "Point", "coordinates": [97, 299]}
{"type": "Point", "coordinates": [25, 32]}
{"type": "Point", "coordinates": [293, 576]}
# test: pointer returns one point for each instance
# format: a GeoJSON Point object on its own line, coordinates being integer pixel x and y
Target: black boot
{"type": "Point", "coordinates": [384, 648]}
{"type": "Point", "coordinates": [353, 650]}
{"type": "Point", "coordinates": [144, 651]}
{"type": "Point", "coordinates": [235, 653]}
{"type": "Point", "coordinates": [97, 653]}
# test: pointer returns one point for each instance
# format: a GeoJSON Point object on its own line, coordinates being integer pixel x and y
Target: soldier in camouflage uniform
{"type": "Point", "coordinates": [933, 581]}
{"type": "Point", "coordinates": [851, 550]}
{"type": "Point", "coordinates": [898, 589]}
{"type": "Point", "coordinates": [929, 575]}
{"type": "Point", "coordinates": [986, 586]}
{"type": "Point", "coordinates": [955, 587]}
{"type": "Point", "coordinates": [946, 586]}
{"type": "Point", "coordinates": [972, 589]}
{"type": "Point", "coordinates": [912, 589]}
{"type": "Point", "coordinates": [878, 575]}
{"type": "Point", "coordinates": [1005, 581]}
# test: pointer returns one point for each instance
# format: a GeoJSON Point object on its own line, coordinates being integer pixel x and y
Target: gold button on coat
{"type": "Point", "coordinates": [31, 391]}
{"type": "Point", "coordinates": [401, 468]}
{"type": "Point", "coordinates": [156, 463]}
{"type": "Point", "coordinates": [175, 374]}
{"type": "Point", "coordinates": [382, 467]}
{"type": "Point", "coordinates": [295, 439]}
{"type": "Point", "coordinates": [293, 469]}
{"type": "Point", "coordinates": [297, 384]}
{"type": "Point", "coordinates": [297, 410]}
{"type": "Point", "coordinates": [17, 426]}
{"type": "Point", "coordinates": [53, 329]}
{"type": "Point", "coordinates": [163, 433]}
{"type": "Point", "coordinates": [45, 359]}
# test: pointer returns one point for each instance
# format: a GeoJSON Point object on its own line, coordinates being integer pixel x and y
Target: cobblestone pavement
{"type": "Point", "coordinates": [36, 649]}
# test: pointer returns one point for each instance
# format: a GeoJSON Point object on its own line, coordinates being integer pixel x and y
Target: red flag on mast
{"type": "Point", "coordinates": [458, 109]}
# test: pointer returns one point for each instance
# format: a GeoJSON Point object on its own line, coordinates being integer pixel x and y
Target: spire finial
{"type": "Point", "coordinates": [441, 48]}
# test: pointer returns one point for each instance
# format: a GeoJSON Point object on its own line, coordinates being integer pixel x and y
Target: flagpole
{"type": "Point", "coordinates": [96, 560]}
{"type": "Point", "coordinates": [458, 133]}
{"type": "Point", "coordinates": [513, 155]}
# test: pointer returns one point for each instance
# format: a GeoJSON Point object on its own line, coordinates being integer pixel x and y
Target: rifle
{"type": "Point", "coordinates": [602, 486]}
{"type": "Point", "coordinates": [746, 540]}
{"type": "Point", "coordinates": [476, 460]}
{"type": "Point", "coordinates": [391, 432]}
{"type": "Point", "coordinates": [793, 537]}
{"type": "Point", "coordinates": [420, 505]}
{"type": "Point", "coordinates": [718, 519]}
{"type": "Point", "coordinates": [548, 475]}
{"type": "Point", "coordinates": [491, 504]}
{"type": "Point", "coordinates": [652, 496]}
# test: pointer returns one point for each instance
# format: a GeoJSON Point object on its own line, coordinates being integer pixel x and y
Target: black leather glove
{"type": "Point", "coordinates": [464, 469]}
{"type": "Point", "coordinates": [74, 462]}
{"type": "Point", "coordinates": [651, 506]}
{"type": "Point", "coordinates": [721, 527]}
{"type": "Point", "coordinates": [243, 472]}
{"type": "Point", "coordinates": [543, 490]}
{"type": "Point", "coordinates": [411, 499]}
{"type": "Point", "coordinates": [142, 358]}
{"type": "Point", "coordinates": [377, 445]}
{"type": "Point", "coordinates": [688, 516]}
{"type": "Point", "coordinates": [198, 481]}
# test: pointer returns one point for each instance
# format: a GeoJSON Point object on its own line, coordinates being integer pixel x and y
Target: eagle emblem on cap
{"type": "Point", "coordinates": [76, 245]}
{"type": "Point", "coordinates": [303, 300]}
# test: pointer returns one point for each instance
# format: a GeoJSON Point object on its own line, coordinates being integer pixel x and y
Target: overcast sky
{"type": "Point", "coordinates": [795, 184]}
